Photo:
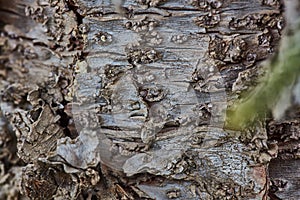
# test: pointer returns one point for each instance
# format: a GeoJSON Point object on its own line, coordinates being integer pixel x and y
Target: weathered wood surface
{"type": "Point", "coordinates": [127, 99]}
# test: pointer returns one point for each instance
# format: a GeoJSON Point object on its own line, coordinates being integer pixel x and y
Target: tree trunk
{"type": "Point", "coordinates": [127, 99]}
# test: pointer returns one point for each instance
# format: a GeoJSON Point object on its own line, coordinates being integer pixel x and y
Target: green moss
{"type": "Point", "coordinates": [257, 103]}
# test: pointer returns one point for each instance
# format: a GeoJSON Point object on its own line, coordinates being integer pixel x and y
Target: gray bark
{"type": "Point", "coordinates": [127, 99]}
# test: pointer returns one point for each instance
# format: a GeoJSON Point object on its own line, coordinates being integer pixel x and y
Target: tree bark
{"type": "Point", "coordinates": [127, 99]}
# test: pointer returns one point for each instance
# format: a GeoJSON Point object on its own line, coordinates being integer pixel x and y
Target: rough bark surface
{"type": "Point", "coordinates": [126, 99]}
{"type": "Point", "coordinates": [285, 179]}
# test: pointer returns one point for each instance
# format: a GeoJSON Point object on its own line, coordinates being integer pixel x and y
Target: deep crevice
{"type": "Point", "coordinates": [73, 7]}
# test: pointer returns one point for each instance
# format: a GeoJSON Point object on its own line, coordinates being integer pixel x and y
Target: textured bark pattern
{"type": "Point", "coordinates": [127, 99]}
{"type": "Point", "coordinates": [285, 178]}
